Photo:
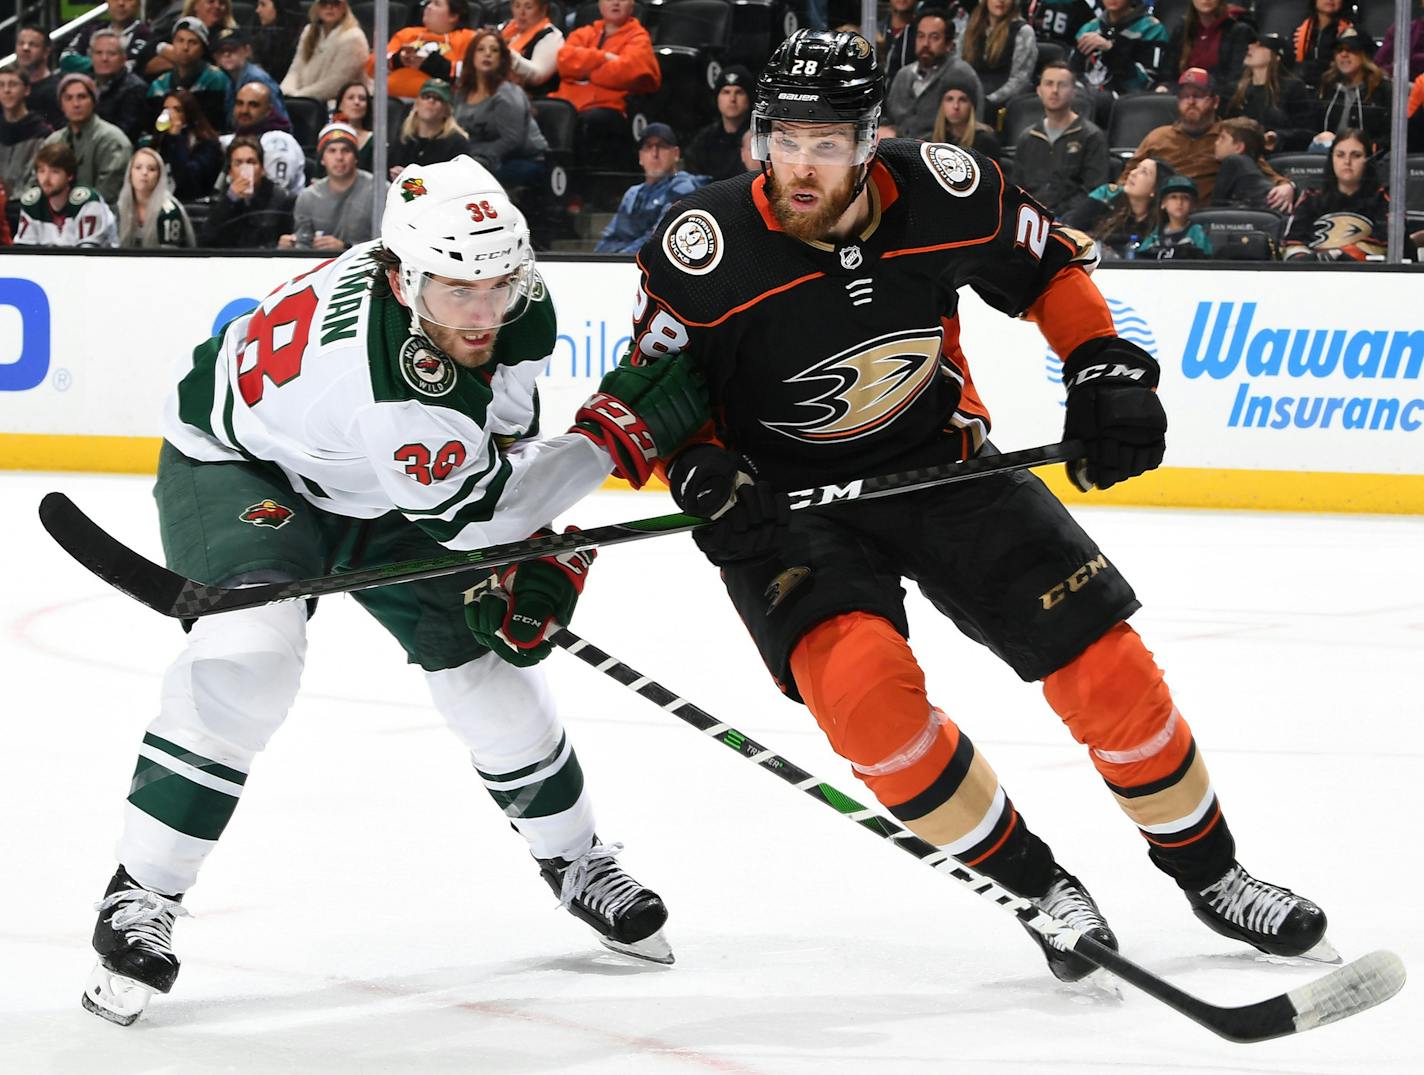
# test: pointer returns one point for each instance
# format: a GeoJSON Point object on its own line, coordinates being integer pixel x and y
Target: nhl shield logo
{"type": "Point", "coordinates": [693, 242]}
{"type": "Point", "coordinates": [267, 513]}
{"type": "Point", "coordinates": [954, 169]}
{"type": "Point", "coordinates": [426, 369]}
{"type": "Point", "coordinates": [851, 257]}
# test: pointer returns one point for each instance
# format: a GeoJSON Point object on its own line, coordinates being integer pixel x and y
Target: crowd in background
{"type": "Point", "coordinates": [1192, 129]}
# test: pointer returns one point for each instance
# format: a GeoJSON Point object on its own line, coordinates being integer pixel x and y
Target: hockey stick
{"type": "Point", "coordinates": [1358, 985]}
{"type": "Point", "coordinates": [173, 595]}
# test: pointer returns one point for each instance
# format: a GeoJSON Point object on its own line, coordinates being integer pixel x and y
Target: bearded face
{"type": "Point", "coordinates": [808, 205]}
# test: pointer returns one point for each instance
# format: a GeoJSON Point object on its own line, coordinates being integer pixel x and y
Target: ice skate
{"type": "Point", "coordinates": [627, 916]}
{"type": "Point", "coordinates": [134, 940]}
{"type": "Point", "coordinates": [1069, 902]}
{"type": "Point", "coordinates": [1265, 916]}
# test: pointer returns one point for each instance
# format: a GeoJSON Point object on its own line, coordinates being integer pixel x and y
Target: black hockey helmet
{"type": "Point", "coordinates": [820, 76]}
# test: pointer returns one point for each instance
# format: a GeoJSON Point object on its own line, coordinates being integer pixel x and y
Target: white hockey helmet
{"type": "Point", "coordinates": [454, 221]}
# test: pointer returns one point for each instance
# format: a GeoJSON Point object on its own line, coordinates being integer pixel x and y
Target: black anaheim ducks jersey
{"type": "Point", "coordinates": [839, 361]}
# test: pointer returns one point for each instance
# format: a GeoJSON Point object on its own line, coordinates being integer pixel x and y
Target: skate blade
{"type": "Point", "coordinates": [114, 997]}
{"type": "Point", "coordinates": [1323, 952]}
{"type": "Point", "coordinates": [653, 949]}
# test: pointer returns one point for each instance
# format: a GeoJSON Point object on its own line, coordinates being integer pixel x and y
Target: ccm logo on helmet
{"type": "Point", "coordinates": [493, 255]}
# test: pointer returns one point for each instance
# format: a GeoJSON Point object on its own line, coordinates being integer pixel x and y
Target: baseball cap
{"type": "Point", "coordinates": [437, 87]}
{"type": "Point", "coordinates": [1196, 78]}
{"type": "Point", "coordinates": [1275, 42]}
{"type": "Point", "coordinates": [735, 75]}
{"type": "Point", "coordinates": [336, 132]}
{"type": "Point", "coordinates": [231, 37]}
{"type": "Point", "coordinates": [658, 130]}
{"type": "Point", "coordinates": [1178, 184]}
{"type": "Point", "coordinates": [1353, 40]}
{"type": "Point", "coordinates": [193, 26]}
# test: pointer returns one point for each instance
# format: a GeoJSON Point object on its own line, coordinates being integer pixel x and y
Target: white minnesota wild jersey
{"type": "Point", "coordinates": [83, 220]}
{"type": "Point", "coordinates": [325, 381]}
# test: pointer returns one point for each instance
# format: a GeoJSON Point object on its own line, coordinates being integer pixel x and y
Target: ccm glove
{"type": "Point", "coordinates": [514, 611]}
{"type": "Point", "coordinates": [642, 413]}
{"type": "Point", "coordinates": [1114, 410]}
{"type": "Point", "coordinates": [750, 516]}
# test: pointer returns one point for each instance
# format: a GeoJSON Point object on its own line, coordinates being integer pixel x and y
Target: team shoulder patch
{"type": "Point", "coordinates": [80, 195]}
{"type": "Point", "coordinates": [31, 196]}
{"type": "Point", "coordinates": [954, 169]}
{"type": "Point", "coordinates": [425, 369]}
{"type": "Point", "coordinates": [693, 242]}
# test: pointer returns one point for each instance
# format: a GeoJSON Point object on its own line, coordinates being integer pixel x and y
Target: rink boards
{"type": "Point", "coordinates": [1285, 390]}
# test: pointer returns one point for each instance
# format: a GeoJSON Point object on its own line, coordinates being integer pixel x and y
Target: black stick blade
{"type": "Point", "coordinates": [110, 559]}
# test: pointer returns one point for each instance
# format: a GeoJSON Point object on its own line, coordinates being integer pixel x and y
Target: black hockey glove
{"type": "Point", "coordinates": [750, 515]}
{"type": "Point", "coordinates": [1114, 410]}
{"type": "Point", "coordinates": [516, 609]}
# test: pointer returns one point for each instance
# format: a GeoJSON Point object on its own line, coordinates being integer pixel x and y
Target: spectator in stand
{"type": "Point", "coordinates": [1189, 145]}
{"type": "Point", "coordinates": [1121, 51]}
{"type": "Point", "coordinates": [1354, 93]}
{"type": "Point", "coordinates": [1346, 220]}
{"type": "Point", "coordinates": [429, 134]}
{"type": "Point", "coordinates": [496, 115]}
{"type": "Point", "coordinates": [101, 150]}
{"type": "Point", "coordinates": [32, 54]}
{"type": "Point", "coordinates": [232, 52]}
{"type": "Point", "coordinates": [1120, 215]}
{"type": "Point", "coordinates": [5, 239]}
{"type": "Point", "coordinates": [1001, 48]}
{"type": "Point", "coordinates": [253, 213]}
{"type": "Point", "coordinates": [1240, 144]}
{"type": "Point", "coordinates": [59, 212]}
{"type": "Point", "coordinates": [534, 44]}
{"type": "Point", "coordinates": [643, 205]}
{"type": "Point", "coordinates": [332, 52]}
{"type": "Point", "coordinates": [121, 92]}
{"type": "Point", "coordinates": [335, 212]}
{"type": "Point", "coordinates": [189, 69]}
{"type": "Point", "coordinates": [599, 66]}
{"type": "Point", "coordinates": [896, 40]}
{"type": "Point", "coordinates": [1062, 156]}
{"type": "Point", "coordinates": [283, 159]}
{"type": "Point", "coordinates": [135, 37]}
{"type": "Point", "coordinates": [1415, 126]}
{"type": "Point", "coordinates": [431, 50]}
{"type": "Point", "coordinates": [1273, 97]}
{"type": "Point", "coordinates": [188, 145]}
{"type": "Point", "coordinates": [22, 131]}
{"type": "Point", "coordinates": [749, 163]}
{"type": "Point", "coordinates": [1313, 43]}
{"type": "Point", "coordinates": [1384, 58]}
{"type": "Point", "coordinates": [274, 38]}
{"type": "Point", "coordinates": [353, 108]}
{"type": "Point", "coordinates": [913, 101]}
{"type": "Point", "coordinates": [1058, 21]}
{"type": "Point", "coordinates": [1212, 37]}
{"type": "Point", "coordinates": [957, 123]}
{"type": "Point", "coordinates": [1176, 238]}
{"type": "Point", "coordinates": [212, 15]}
{"type": "Point", "coordinates": [716, 150]}
{"type": "Point", "coordinates": [149, 216]}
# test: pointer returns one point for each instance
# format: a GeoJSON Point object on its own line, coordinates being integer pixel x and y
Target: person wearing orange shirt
{"type": "Point", "coordinates": [431, 50]}
{"type": "Point", "coordinates": [534, 44]}
{"type": "Point", "coordinates": [599, 66]}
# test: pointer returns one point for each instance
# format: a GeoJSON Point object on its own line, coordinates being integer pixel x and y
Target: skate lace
{"type": "Point", "coordinates": [599, 882]}
{"type": "Point", "coordinates": [1066, 902]}
{"type": "Point", "coordinates": [1244, 901]}
{"type": "Point", "coordinates": [144, 918]}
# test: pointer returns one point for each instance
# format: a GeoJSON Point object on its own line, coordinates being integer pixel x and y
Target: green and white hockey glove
{"type": "Point", "coordinates": [514, 611]}
{"type": "Point", "coordinates": [643, 413]}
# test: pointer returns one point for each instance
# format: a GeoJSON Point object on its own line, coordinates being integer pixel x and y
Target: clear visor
{"type": "Point", "coordinates": [812, 144]}
{"type": "Point", "coordinates": [474, 304]}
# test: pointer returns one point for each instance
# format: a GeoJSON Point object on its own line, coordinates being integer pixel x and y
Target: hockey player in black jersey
{"type": "Point", "coordinates": [820, 299]}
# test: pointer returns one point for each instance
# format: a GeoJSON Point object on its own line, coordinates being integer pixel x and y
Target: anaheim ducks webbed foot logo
{"type": "Point", "coordinates": [781, 586]}
{"type": "Point", "coordinates": [872, 384]}
{"type": "Point", "coordinates": [267, 513]}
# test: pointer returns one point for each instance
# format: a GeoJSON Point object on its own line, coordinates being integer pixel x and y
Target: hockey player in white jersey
{"type": "Point", "coordinates": [379, 408]}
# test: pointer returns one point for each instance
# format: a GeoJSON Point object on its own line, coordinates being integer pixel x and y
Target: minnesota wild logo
{"type": "Point", "coordinates": [267, 513]}
{"type": "Point", "coordinates": [412, 189]}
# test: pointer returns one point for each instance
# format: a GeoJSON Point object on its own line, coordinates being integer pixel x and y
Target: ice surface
{"type": "Point", "coordinates": [369, 910]}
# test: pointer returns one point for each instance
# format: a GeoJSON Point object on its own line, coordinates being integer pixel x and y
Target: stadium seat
{"type": "Point", "coordinates": [1413, 184]}
{"type": "Point", "coordinates": [557, 120]}
{"type": "Point", "coordinates": [1305, 170]}
{"type": "Point", "coordinates": [1172, 13]}
{"type": "Point", "coordinates": [1279, 16]}
{"type": "Point", "coordinates": [366, 15]}
{"type": "Point", "coordinates": [244, 12]}
{"type": "Point", "coordinates": [308, 117]}
{"type": "Point", "coordinates": [1134, 115]}
{"type": "Point", "coordinates": [1375, 18]}
{"type": "Point", "coordinates": [1242, 234]}
{"type": "Point", "coordinates": [1048, 52]}
{"type": "Point", "coordinates": [691, 41]}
